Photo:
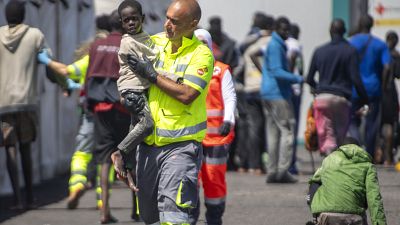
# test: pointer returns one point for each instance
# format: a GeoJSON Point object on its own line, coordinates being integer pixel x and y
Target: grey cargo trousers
{"type": "Point", "coordinates": [167, 178]}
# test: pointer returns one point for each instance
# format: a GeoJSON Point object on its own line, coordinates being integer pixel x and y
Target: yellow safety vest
{"type": "Point", "coordinates": [173, 120]}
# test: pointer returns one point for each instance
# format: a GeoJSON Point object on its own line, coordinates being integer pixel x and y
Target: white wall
{"type": "Point", "coordinates": [312, 16]}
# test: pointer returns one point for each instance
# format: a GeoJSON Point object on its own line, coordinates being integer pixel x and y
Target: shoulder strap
{"type": "Point", "coordinates": [365, 47]}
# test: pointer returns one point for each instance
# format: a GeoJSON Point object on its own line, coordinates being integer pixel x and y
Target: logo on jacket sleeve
{"type": "Point", "coordinates": [202, 71]}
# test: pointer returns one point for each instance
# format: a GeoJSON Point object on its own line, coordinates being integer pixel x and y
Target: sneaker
{"type": "Point", "coordinates": [287, 178]}
{"type": "Point", "coordinates": [73, 198]}
{"type": "Point", "coordinates": [271, 178]}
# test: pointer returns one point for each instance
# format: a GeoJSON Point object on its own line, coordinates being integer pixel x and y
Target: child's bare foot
{"type": "Point", "coordinates": [108, 219]}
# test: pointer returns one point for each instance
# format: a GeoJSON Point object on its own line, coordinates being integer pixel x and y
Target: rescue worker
{"type": "Point", "coordinates": [169, 161]}
{"type": "Point", "coordinates": [221, 105]}
{"type": "Point", "coordinates": [79, 180]}
{"type": "Point", "coordinates": [81, 159]}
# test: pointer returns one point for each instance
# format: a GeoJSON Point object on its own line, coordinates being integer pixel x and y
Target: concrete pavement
{"type": "Point", "coordinates": [250, 201]}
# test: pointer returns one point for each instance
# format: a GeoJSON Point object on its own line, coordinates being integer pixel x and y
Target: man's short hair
{"type": "Point", "coordinates": [115, 22]}
{"type": "Point", "coordinates": [366, 22]}
{"type": "Point", "coordinates": [103, 22]}
{"type": "Point", "coordinates": [15, 12]}
{"type": "Point", "coordinates": [392, 35]}
{"type": "Point", "coordinates": [195, 9]}
{"type": "Point", "coordinates": [338, 27]}
{"type": "Point", "coordinates": [280, 21]}
{"type": "Point", "coordinates": [263, 21]}
{"type": "Point", "coordinates": [214, 20]}
{"type": "Point", "coordinates": [130, 3]}
{"type": "Point", "coordinates": [294, 30]}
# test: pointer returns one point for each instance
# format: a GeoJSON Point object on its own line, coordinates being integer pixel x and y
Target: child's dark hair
{"type": "Point", "coordinates": [130, 3]}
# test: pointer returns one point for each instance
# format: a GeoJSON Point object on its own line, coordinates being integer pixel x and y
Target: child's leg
{"type": "Point", "coordinates": [106, 216]}
{"type": "Point", "coordinates": [141, 126]}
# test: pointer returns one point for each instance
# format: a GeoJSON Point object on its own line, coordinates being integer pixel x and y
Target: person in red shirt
{"type": "Point", "coordinates": [111, 119]}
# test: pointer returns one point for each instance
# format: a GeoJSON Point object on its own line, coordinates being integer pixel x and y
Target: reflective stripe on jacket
{"type": "Point", "coordinates": [215, 109]}
{"type": "Point", "coordinates": [77, 70]}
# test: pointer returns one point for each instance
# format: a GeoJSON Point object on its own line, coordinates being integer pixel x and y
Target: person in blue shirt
{"type": "Point", "coordinates": [276, 93]}
{"type": "Point", "coordinates": [374, 60]}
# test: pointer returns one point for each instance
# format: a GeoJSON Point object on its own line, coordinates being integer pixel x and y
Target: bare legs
{"type": "Point", "coordinates": [12, 168]}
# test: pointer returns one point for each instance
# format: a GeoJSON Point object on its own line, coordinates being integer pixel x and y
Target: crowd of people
{"type": "Point", "coordinates": [163, 112]}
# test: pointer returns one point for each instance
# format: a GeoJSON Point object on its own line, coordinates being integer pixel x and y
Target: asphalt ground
{"type": "Point", "coordinates": [250, 201]}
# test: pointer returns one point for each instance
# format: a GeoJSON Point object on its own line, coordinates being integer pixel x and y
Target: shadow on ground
{"type": "Point", "coordinates": [46, 192]}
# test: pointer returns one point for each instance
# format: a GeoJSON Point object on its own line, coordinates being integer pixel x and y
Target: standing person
{"type": "Point", "coordinates": [276, 94]}
{"type": "Point", "coordinates": [21, 48]}
{"type": "Point", "coordinates": [169, 161]}
{"type": "Point", "coordinates": [132, 87]}
{"type": "Point", "coordinates": [82, 166]}
{"type": "Point", "coordinates": [255, 133]}
{"type": "Point", "coordinates": [346, 186]}
{"type": "Point", "coordinates": [224, 48]}
{"type": "Point", "coordinates": [257, 30]}
{"type": "Point", "coordinates": [337, 65]}
{"type": "Point", "coordinates": [390, 103]}
{"type": "Point", "coordinates": [111, 120]}
{"type": "Point", "coordinates": [295, 62]}
{"type": "Point", "coordinates": [248, 80]}
{"type": "Point", "coordinates": [221, 104]}
{"type": "Point", "coordinates": [374, 66]}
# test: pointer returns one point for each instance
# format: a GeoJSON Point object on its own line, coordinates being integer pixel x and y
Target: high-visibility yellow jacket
{"type": "Point", "coordinates": [77, 70]}
{"type": "Point", "coordinates": [173, 120]}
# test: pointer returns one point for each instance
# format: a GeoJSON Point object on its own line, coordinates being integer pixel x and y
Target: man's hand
{"type": "Point", "coordinates": [72, 85]}
{"type": "Point", "coordinates": [225, 128]}
{"type": "Point", "coordinates": [363, 111]}
{"type": "Point", "coordinates": [134, 103]}
{"type": "Point", "coordinates": [43, 57]}
{"type": "Point", "coordinates": [143, 68]}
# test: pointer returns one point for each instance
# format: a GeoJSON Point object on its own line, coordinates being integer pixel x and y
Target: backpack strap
{"type": "Point", "coordinates": [364, 48]}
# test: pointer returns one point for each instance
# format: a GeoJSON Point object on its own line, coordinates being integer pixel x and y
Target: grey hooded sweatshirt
{"type": "Point", "coordinates": [19, 47]}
